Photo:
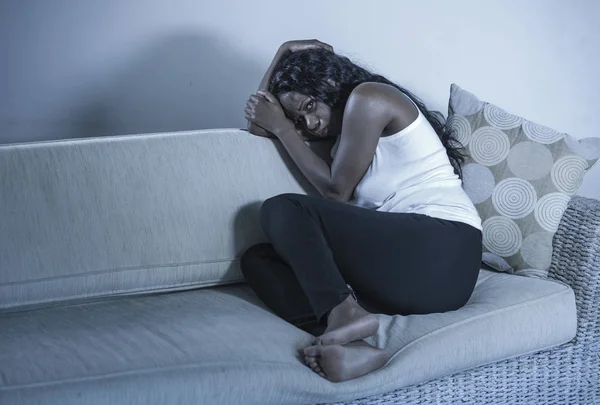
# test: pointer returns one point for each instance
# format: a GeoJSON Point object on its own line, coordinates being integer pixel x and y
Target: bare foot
{"type": "Point", "coordinates": [341, 363]}
{"type": "Point", "coordinates": [348, 322]}
{"type": "Point", "coordinates": [311, 362]}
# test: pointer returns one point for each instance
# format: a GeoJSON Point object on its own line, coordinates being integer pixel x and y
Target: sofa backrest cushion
{"type": "Point", "coordinates": [128, 214]}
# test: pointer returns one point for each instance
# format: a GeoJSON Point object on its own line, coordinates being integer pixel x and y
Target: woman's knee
{"type": "Point", "coordinates": [276, 211]}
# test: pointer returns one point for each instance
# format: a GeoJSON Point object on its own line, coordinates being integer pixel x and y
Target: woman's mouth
{"type": "Point", "coordinates": [320, 131]}
{"type": "Point", "coordinates": [316, 129]}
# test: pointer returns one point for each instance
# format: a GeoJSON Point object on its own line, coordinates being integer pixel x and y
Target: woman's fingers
{"type": "Point", "coordinates": [254, 100]}
{"type": "Point", "coordinates": [249, 110]}
{"type": "Point", "coordinates": [250, 107]}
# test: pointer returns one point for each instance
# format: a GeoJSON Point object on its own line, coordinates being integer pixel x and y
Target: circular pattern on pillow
{"type": "Point", "coordinates": [567, 173]}
{"type": "Point", "coordinates": [478, 182]}
{"type": "Point", "coordinates": [499, 118]}
{"type": "Point", "coordinates": [461, 129]}
{"type": "Point", "coordinates": [514, 198]}
{"type": "Point", "coordinates": [550, 209]}
{"type": "Point", "coordinates": [537, 250]}
{"type": "Point", "coordinates": [502, 236]}
{"type": "Point", "coordinates": [489, 146]}
{"type": "Point", "coordinates": [540, 133]}
{"type": "Point", "coordinates": [529, 160]}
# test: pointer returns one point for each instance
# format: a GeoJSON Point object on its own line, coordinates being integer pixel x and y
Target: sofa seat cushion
{"type": "Point", "coordinates": [222, 346]}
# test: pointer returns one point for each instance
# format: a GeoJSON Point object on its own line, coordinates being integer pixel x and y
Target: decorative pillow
{"type": "Point", "coordinates": [520, 176]}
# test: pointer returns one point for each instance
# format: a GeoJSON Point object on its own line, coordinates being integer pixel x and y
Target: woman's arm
{"type": "Point", "coordinates": [264, 86]}
{"type": "Point", "coordinates": [364, 120]}
{"type": "Point", "coordinates": [284, 50]}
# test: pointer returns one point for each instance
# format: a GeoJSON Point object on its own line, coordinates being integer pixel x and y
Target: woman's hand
{"type": "Point", "coordinates": [284, 49]}
{"type": "Point", "coordinates": [263, 109]}
{"type": "Point", "coordinates": [301, 45]}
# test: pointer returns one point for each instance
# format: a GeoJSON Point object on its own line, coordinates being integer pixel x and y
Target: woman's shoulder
{"type": "Point", "coordinates": [386, 98]}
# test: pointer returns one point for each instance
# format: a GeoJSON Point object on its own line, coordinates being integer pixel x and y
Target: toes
{"type": "Point", "coordinates": [311, 355]}
{"type": "Point", "coordinates": [311, 361]}
{"type": "Point", "coordinates": [313, 351]}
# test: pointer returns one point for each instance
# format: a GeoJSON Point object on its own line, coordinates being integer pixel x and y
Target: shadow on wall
{"type": "Point", "coordinates": [186, 81]}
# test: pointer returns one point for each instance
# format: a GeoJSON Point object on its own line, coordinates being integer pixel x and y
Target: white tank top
{"type": "Point", "coordinates": [411, 173]}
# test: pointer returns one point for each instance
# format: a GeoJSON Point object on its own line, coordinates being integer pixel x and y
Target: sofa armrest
{"type": "Point", "coordinates": [576, 262]}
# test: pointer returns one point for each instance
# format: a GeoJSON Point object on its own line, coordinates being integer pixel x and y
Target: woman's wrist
{"type": "Point", "coordinates": [286, 131]}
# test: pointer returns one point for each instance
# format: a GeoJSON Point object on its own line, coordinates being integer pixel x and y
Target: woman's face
{"type": "Point", "coordinates": [317, 118]}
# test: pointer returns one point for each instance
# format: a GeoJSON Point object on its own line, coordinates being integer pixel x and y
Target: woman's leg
{"type": "Point", "coordinates": [291, 225]}
{"type": "Point", "coordinates": [298, 239]}
{"type": "Point", "coordinates": [276, 285]}
{"type": "Point", "coordinates": [404, 263]}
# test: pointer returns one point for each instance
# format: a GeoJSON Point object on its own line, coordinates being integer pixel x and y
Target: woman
{"type": "Point", "coordinates": [394, 222]}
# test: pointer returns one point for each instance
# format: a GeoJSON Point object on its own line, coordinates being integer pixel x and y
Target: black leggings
{"type": "Point", "coordinates": [396, 263]}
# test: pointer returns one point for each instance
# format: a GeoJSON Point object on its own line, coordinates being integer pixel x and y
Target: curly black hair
{"type": "Point", "coordinates": [330, 78]}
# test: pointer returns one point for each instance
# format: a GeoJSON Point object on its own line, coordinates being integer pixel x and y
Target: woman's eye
{"type": "Point", "coordinates": [309, 106]}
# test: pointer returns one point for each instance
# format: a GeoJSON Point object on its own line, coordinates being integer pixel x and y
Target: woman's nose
{"type": "Point", "coordinates": [311, 122]}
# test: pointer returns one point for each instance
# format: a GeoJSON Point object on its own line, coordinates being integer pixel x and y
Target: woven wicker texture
{"type": "Point", "coordinates": [569, 374]}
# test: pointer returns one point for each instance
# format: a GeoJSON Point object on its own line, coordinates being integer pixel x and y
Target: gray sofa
{"type": "Point", "coordinates": [120, 284]}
